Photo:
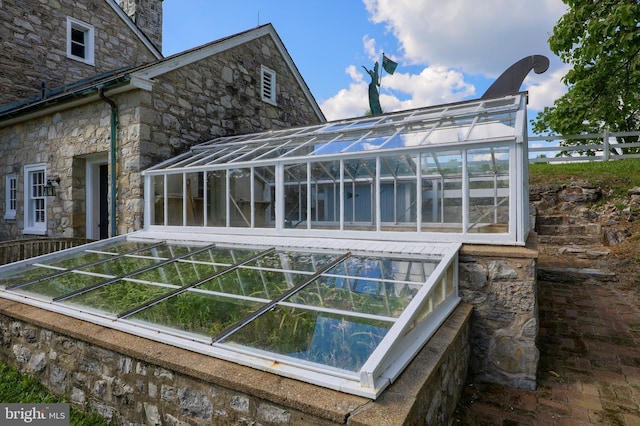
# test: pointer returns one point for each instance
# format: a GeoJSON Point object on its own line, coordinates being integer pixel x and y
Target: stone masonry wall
{"type": "Point", "coordinates": [60, 141]}
{"type": "Point", "coordinates": [130, 380]}
{"type": "Point", "coordinates": [220, 96]}
{"type": "Point", "coordinates": [213, 97]}
{"type": "Point", "coordinates": [500, 283]}
{"type": "Point", "coordinates": [34, 37]}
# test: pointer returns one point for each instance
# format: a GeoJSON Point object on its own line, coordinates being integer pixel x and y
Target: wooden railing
{"type": "Point", "coordinates": [15, 250]}
{"type": "Point", "coordinates": [598, 147]}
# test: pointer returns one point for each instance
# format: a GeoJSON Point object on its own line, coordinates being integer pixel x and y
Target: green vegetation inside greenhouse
{"type": "Point", "coordinates": [322, 307]}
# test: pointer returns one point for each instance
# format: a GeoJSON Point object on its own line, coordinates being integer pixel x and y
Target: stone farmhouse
{"type": "Point", "coordinates": [87, 101]}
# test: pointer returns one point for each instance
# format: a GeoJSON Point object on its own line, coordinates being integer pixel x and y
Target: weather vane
{"type": "Point", "coordinates": [374, 95]}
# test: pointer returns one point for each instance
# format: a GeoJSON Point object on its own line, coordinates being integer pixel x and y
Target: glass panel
{"type": "Point", "coordinates": [295, 195]}
{"type": "Point", "coordinates": [264, 196]}
{"type": "Point", "coordinates": [61, 285]}
{"type": "Point", "coordinates": [77, 42]}
{"type": "Point", "coordinates": [371, 143]}
{"type": "Point", "coordinates": [416, 271]}
{"type": "Point", "coordinates": [398, 203]}
{"type": "Point", "coordinates": [178, 273]}
{"type": "Point", "coordinates": [81, 259]}
{"type": "Point", "coordinates": [359, 185]}
{"type": "Point", "coordinates": [118, 297]}
{"type": "Point", "coordinates": [442, 191]}
{"type": "Point", "coordinates": [240, 197]}
{"type": "Point", "coordinates": [25, 274]}
{"type": "Point", "coordinates": [158, 200]}
{"type": "Point", "coordinates": [195, 199]}
{"type": "Point", "coordinates": [325, 193]}
{"type": "Point", "coordinates": [217, 198]}
{"type": "Point", "coordinates": [338, 341]}
{"type": "Point", "coordinates": [368, 296]}
{"type": "Point", "coordinates": [175, 196]}
{"type": "Point", "coordinates": [493, 126]}
{"type": "Point", "coordinates": [488, 189]}
{"type": "Point", "coordinates": [120, 266]}
{"type": "Point", "coordinates": [199, 313]}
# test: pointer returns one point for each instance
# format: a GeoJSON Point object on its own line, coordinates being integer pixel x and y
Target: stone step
{"type": "Point", "coordinates": [585, 275]}
{"type": "Point", "coordinates": [586, 229]}
{"type": "Point", "coordinates": [579, 252]}
{"type": "Point", "coordinates": [569, 240]}
{"type": "Point", "coordinates": [550, 220]}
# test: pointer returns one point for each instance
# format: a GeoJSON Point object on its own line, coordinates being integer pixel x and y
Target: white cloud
{"type": "Point", "coordinates": [434, 85]}
{"type": "Point", "coordinates": [475, 37]}
{"type": "Point", "coordinates": [452, 42]}
{"type": "Point", "coordinates": [546, 88]}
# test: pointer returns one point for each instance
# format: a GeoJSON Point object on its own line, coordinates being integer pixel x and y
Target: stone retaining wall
{"type": "Point", "coordinates": [128, 379]}
{"type": "Point", "coordinates": [500, 283]}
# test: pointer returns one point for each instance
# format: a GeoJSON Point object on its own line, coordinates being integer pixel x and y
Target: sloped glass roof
{"type": "Point", "coordinates": [474, 121]}
{"type": "Point", "coordinates": [445, 173]}
{"type": "Point", "coordinates": [320, 314]}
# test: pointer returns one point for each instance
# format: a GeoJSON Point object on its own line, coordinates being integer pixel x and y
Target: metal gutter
{"type": "Point", "coordinates": [112, 149]}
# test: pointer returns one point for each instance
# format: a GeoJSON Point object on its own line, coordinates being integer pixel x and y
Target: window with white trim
{"type": "Point", "coordinates": [80, 41]}
{"type": "Point", "coordinates": [268, 85]}
{"type": "Point", "coordinates": [11, 185]}
{"type": "Point", "coordinates": [35, 205]}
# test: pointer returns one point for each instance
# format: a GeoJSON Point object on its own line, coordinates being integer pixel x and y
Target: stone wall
{"type": "Point", "coordinates": [128, 379]}
{"type": "Point", "coordinates": [220, 96]}
{"type": "Point", "coordinates": [58, 140]}
{"type": "Point", "coordinates": [34, 45]}
{"type": "Point", "coordinates": [215, 96]}
{"type": "Point", "coordinates": [147, 15]}
{"type": "Point", "coordinates": [500, 283]}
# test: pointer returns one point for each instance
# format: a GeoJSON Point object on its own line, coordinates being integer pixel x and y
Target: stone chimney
{"type": "Point", "coordinates": [147, 15]}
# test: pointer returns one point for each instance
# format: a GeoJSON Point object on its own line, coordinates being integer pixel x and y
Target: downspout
{"type": "Point", "coordinates": [114, 145]}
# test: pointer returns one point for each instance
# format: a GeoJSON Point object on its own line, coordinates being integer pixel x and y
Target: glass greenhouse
{"type": "Point", "coordinates": [449, 173]}
{"type": "Point", "coordinates": [328, 254]}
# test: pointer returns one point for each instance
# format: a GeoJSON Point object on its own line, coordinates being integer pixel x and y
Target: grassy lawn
{"type": "Point", "coordinates": [19, 388]}
{"type": "Point", "coordinates": [615, 176]}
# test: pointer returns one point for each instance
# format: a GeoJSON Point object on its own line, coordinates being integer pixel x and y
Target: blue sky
{"type": "Point", "coordinates": [446, 51]}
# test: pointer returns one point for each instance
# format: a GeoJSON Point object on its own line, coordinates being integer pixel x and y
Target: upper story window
{"type": "Point", "coordinates": [11, 184]}
{"type": "Point", "coordinates": [35, 208]}
{"type": "Point", "coordinates": [80, 41]}
{"type": "Point", "coordinates": [268, 85]}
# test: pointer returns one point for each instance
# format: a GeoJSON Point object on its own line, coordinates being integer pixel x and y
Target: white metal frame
{"type": "Point", "coordinates": [276, 148]}
{"type": "Point", "coordinates": [401, 343]}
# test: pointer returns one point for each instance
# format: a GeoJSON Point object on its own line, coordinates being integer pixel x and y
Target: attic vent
{"type": "Point", "coordinates": [268, 85]}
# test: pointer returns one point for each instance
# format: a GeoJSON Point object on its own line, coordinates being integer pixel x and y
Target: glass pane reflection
{"type": "Point", "coordinates": [199, 313]}
{"type": "Point", "coordinates": [338, 341]}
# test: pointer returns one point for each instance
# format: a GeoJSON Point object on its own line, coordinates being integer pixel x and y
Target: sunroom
{"type": "Point", "coordinates": [327, 254]}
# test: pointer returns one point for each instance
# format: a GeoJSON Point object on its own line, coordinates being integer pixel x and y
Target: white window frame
{"type": "Point", "coordinates": [268, 85]}
{"type": "Point", "coordinates": [11, 196]}
{"type": "Point", "coordinates": [35, 202]}
{"type": "Point", "coordinates": [89, 40]}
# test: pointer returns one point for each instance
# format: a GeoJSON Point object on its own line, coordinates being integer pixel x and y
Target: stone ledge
{"type": "Point", "coordinates": [400, 401]}
{"type": "Point", "coordinates": [528, 251]}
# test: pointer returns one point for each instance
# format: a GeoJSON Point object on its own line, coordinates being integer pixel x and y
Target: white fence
{"type": "Point", "coordinates": [603, 146]}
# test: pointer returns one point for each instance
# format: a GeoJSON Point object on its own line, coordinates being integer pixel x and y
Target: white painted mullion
{"type": "Point", "coordinates": [376, 195]}
{"type": "Point", "coordinates": [465, 192]}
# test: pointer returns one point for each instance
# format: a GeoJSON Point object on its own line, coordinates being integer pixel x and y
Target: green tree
{"type": "Point", "coordinates": [600, 39]}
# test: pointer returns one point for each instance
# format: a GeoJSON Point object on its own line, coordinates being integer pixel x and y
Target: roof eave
{"type": "Point", "coordinates": [69, 100]}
